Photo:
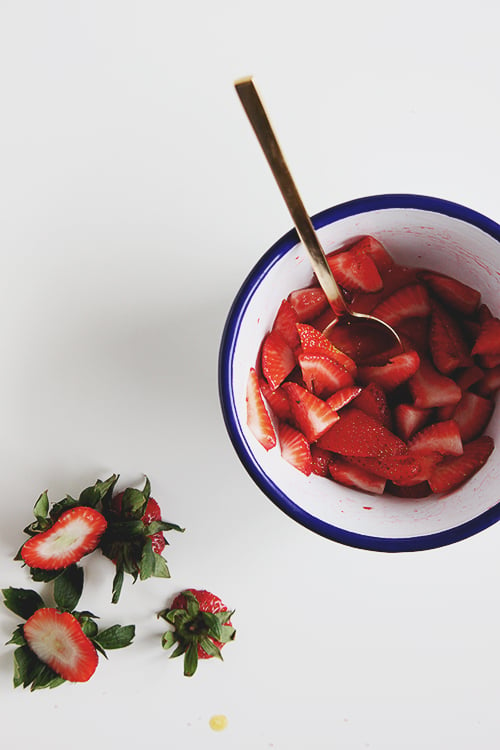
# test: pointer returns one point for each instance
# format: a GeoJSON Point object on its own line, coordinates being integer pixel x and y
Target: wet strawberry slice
{"type": "Point", "coordinates": [469, 377]}
{"type": "Point", "coordinates": [409, 419]}
{"type": "Point", "coordinates": [258, 419]}
{"type": "Point", "coordinates": [377, 252]}
{"type": "Point", "coordinates": [278, 359]}
{"type": "Point", "coordinates": [313, 341]}
{"type": "Point", "coordinates": [312, 415]}
{"type": "Point", "coordinates": [373, 401]}
{"type": "Point", "coordinates": [453, 471]}
{"type": "Point", "coordinates": [472, 414]}
{"type": "Point", "coordinates": [285, 323]}
{"type": "Point", "coordinates": [442, 437]}
{"type": "Point", "coordinates": [402, 470]}
{"type": "Point", "coordinates": [490, 382]}
{"type": "Point", "coordinates": [355, 476]}
{"type": "Point", "coordinates": [322, 376]}
{"type": "Point", "coordinates": [277, 400]}
{"type": "Point", "coordinates": [411, 301]}
{"type": "Point", "coordinates": [430, 388]}
{"type": "Point", "coordinates": [354, 270]}
{"type": "Point", "coordinates": [308, 303]}
{"type": "Point", "coordinates": [295, 448]}
{"type": "Point", "coordinates": [488, 341]}
{"type": "Point", "coordinates": [321, 460]}
{"type": "Point", "coordinates": [357, 434]}
{"type": "Point", "coordinates": [391, 375]}
{"type": "Point", "coordinates": [448, 347]}
{"type": "Point", "coordinates": [343, 397]}
{"type": "Point", "coordinates": [462, 298]}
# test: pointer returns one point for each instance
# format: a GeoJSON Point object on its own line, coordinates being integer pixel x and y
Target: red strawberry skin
{"type": "Point", "coordinates": [76, 532]}
{"type": "Point", "coordinates": [59, 641]}
{"type": "Point", "coordinates": [295, 448]}
{"type": "Point", "coordinates": [208, 603]}
{"type": "Point", "coordinates": [258, 419]}
{"type": "Point", "coordinates": [357, 434]}
{"type": "Point", "coordinates": [454, 470]}
{"type": "Point", "coordinates": [278, 359]}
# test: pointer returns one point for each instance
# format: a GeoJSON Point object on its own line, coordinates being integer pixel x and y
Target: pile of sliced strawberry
{"type": "Point", "coordinates": [408, 423]}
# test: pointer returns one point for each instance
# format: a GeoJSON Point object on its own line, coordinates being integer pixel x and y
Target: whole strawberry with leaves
{"type": "Point", "coordinates": [134, 538]}
{"type": "Point", "coordinates": [58, 644]}
{"type": "Point", "coordinates": [202, 627]}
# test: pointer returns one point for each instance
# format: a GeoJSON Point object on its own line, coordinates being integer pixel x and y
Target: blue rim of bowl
{"type": "Point", "coordinates": [226, 396]}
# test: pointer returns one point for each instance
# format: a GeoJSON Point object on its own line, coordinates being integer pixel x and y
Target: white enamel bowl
{"type": "Point", "coordinates": [417, 231]}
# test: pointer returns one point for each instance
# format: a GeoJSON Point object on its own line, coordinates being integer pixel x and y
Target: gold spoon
{"type": "Point", "coordinates": [254, 108]}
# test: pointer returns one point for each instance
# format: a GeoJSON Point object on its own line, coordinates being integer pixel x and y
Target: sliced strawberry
{"type": "Point", "coordinates": [402, 470]}
{"type": "Point", "coordinates": [322, 375]}
{"type": "Point", "coordinates": [312, 416]}
{"type": "Point", "coordinates": [391, 375]}
{"type": "Point", "coordinates": [314, 341]}
{"type": "Point", "coordinates": [490, 382]}
{"type": "Point", "coordinates": [472, 414]}
{"type": "Point", "coordinates": [59, 641]}
{"type": "Point", "coordinates": [258, 419]}
{"type": "Point", "coordinates": [343, 397]}
{"type": "Point", "coordinates": [277, 400]}
{"type": "Point", "coordinates": [462, 298]}
{"type": "Point", "coordinates": [285, 323]}
{"type": "Point", "coordinates": [455, 470]}
{"type": "Point", "coordinates": [357, 434]}
{"type": "Point", "coordinates": [484, 313]}
{"type": "Point", "coordinates": [430, 388]}
{"type": "Point", "coordinates": [377, 252]}
{"type": "Point", "coordinates": [321, 460]}
{"type": "Point", "coordinates": [447, 344]}
{"type": "Point", "coordinates": [408, 419]}
{"type": "Point", "coordinates": [308, 303]}
{"type": "Point", "coordinates": [488, 341]}
{"type": "Point", "coordinates": [355, 270]}
{"type": "Point", "coordinates": [469, 377]}
{"type": "Point", "coordinates": [410, 301]}
{"type": "Point", "coordinates": [441, 437]}
{"type": "Point", "coordinates": [489, 361]}
{"type": "Point", "coordinates": [76, 532]}
{"type": "Point", "coordinates": [295, 448]}
{"type": "Point", "coordinates": [355, 476]}
{"type": "Point", "coordinates": [415, 332]}
{"type": "Point", "coordinates": [373, 401]}
{"type": "Point", "coordinates": [277, 359]}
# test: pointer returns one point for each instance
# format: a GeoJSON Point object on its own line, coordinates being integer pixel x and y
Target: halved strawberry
{"type": "Point", "coordinates": [285, 323]}
{"type": "Point", "coordinates": [322, 375]}
{"type": "Point", "coordinates": [484, 313]}
{"type": "Point", "coordinates": [357, 434]}
{"type": "Point", "coordinates": [312, 415]}
{"type": "Point", "coordinates": [391, 375]}
{"type": "Point", "coordinates": [472, 414]}
{"type": "Point", "coordinates": [402, 470]}
{"type": "Point", "coordinates": [76, 532]}
{"type": "Point", "coordinates": [490, 382]}
{"type": "Point", "coordinates": [452, 471]}
{"type": "Point", "coordinates": [314, 341]}
{"type": "Point", "coordinates": [488, 341]}
{"type": "Point", "coordinates": [373, 401]}
{"type": "Point", "coordinates": [377, 252]}
{"type": "Point", "coordinates": [258, 419]}
{"type": "Point", "coordinates": [441, 437]}
{"type": "Point", "coordinates": [430, 388]}
{"type": "Point", "coordinates": [277, 359]}
{"type": "Point", "coordinates": [411, 301]}
{"type": "Point", "coordinates": [469, 377]}
{"type": "Point", "coordinates": [308, 303]}
{"type": "Point", "coordinates": [277, 400]}
{"type": "Point", "coordinates": [489, 361]}
{"type": "Point", "coordinates": [343, 397]}
{"type": "Point", "coordinates": [448, 347]}
{"type": "Point", "coordinates": [321, 460]}
{"type": "Point", "coordinates": [459, 296]}
{"type": "Point", "coordinates": [408, 419]}
{"type": "Point", "coordinates": [355, 270]}
{"type": "Point", "coordinates": [415, 332]}
{"type": "Point", "coordinates": [295, 448]}
{"type": "Point", "coordinates": [59, 641]}
{"type": "Point", "coordinates": [355, 476]}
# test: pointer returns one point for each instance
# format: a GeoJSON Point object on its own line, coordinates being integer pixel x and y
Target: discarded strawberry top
{"type": "Point", "coordinates": [408, 424]}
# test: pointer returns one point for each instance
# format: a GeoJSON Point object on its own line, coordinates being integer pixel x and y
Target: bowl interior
{"type": "Point", "coordinates": [433, 234]}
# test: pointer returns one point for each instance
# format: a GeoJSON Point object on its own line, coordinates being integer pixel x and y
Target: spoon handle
{"type": "Point", "coordinates": [252, 104]}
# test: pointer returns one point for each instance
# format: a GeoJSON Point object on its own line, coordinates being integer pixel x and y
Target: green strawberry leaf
{"type": "Point", "coordinates": [209, 647]}
{"type": "Point", "coordinates": [117, 586]}
{"type": "Point", "coordinates": [41, 507]}
{"type": "Point", "coordinates": [190, 659]}
{"type": "Point", "coordinates": [181, 649]}
{"type": "Point", "coordinates": [212, 624]}
{"type": "Point", "coordinates": [168, 639]}
{"type": "Point", "coordinates": [228, 634]}
{"type": "Point", "coordinates": [192, 605]}
{"type": "Point", "coordinates": [147, 489]}
{"type": "Point", "coordinates": [17, 638]}
{"type": "Point", "coordinates": [88, 626]}
{"type": "Point", "coordinates": [160, 567]}
{"type": "Point", "coordinates": [98, 493]}
{"type": "Point", "coordinates": [45, 677]}
{"type": "Point", "coordinates": [68, 587]}
{"type": "Point", "coordinates": [25, 665]}
{"type": "Point", "coordinates": [147, 563]}
{"type": "Point", "coordinates": [23, 602]}
{"type": "Point", "coordinates": [134, 503]}
{"type": "Point", "coordinates": [125, 529]}
{"type": "Point", "coordinates": [117, 636]}
{"type": "Point", "coordinates": [44, 576]}
{"type": "Point", "coordinates": [65, 504]}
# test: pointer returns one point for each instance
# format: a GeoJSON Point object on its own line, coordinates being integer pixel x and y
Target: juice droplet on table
{"type": "Point", "coordinates": [218, 722]}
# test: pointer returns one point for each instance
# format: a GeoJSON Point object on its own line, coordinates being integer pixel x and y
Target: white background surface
{"type": "Point", "coordinates": [133, 201]}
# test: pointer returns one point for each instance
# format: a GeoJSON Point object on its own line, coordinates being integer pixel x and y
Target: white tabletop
{"type": "Point", "coordinates": [134, 201]}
